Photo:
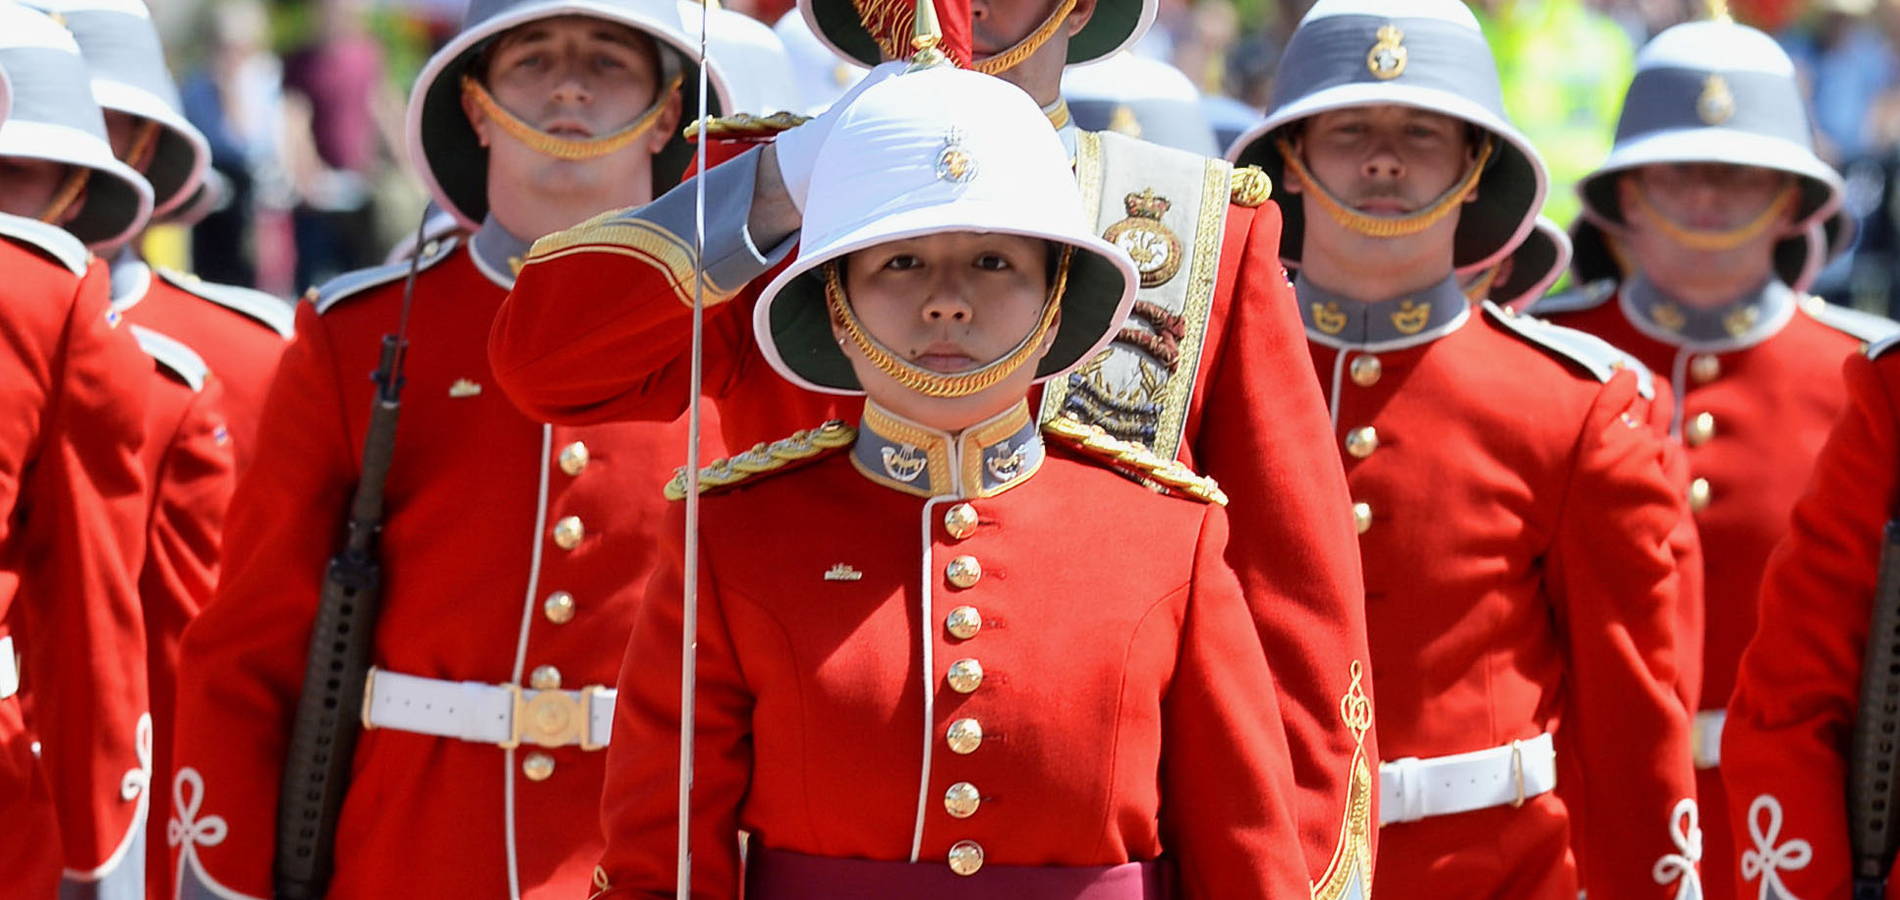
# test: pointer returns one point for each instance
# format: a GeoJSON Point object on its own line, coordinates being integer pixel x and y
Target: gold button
{"type": "Point", "coordinates": [1705, 368]}
{"type": "Point", "coordinates": [545, 678]}
{"type": "Point", "coordinates": [1700, 429]}
{"type": "Point", "coordinates": [1699, 495]}
{"type": "Point", "coordinates": [964, 736]}
{"type": "Point", "coordinates": [538, 766]}
{"type": "Point", "coordinates": [963, 622]}
{"type": "Point", "coordinates": [964, 571]}
{"type": "Point", "coordinates": [574, 458]}
{"type": "Point", "coordinates": [965, 857]}
{"type": "Point", "coordinates": [559, 607]}
{"type": "Point", "coordinates": [966, 675]}
{"type": "Point", "coordinates": [1366, 370]}
{"type": "Point", "coordinates": [568, 533]}
{"type": "Point", "coordinates": [960, 520]}
{"type": "Point", "coordinates": [1362, 517]}
{"type": "Point", "coordinates": [1360, 442]}
{"type": "Point", "coordinates": [961, 800]}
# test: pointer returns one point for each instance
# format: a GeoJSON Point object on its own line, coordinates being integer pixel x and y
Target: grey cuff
{"type": "Point", "coordinates": [730, 259]}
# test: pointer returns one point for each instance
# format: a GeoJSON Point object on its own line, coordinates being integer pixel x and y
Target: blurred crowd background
{"type": "Point", "coordinates": [302, 101]}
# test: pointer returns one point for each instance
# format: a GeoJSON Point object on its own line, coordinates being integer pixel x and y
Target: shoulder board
{"type": "Point", "coordinates": [1250, 187]}
{"type": "Point", "coordinates": [1861, 326]}
{"type": "Point", "coordinates": [1136, 458]}
{"type": "Point", "coordinates": [1875, 349]}
{"type": "Point", "coordinates": [269, 311]}
{"type": "Point", "coordinates": [1578, 299]}
{"type": "Point", "coordinates": [744, 126]}
{"type": "Point", "coordinates": [51, 240]}
{"type": "Point", "coordinates": [1596, 355]}
{"type": "Point", "coordinates": [780, 455]}
{"type": "Point", "coordinates": [175, 357]}
{"type": "Point", "coordinates": [350, 284]}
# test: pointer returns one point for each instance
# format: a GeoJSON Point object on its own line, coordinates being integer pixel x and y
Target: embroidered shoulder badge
{"type": "Point", "coordinates": [803, 445]}
{"type": "Point", "coordinates": [1169, 474]}
{"type": "Point", "coordinates": [1155, 249]}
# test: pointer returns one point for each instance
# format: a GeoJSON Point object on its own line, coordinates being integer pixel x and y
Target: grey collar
{"type": "Point", "coordinates": [981, 461]}
{"type": "Point", "coordinates": [497, 253]}
{"type": "Point", "coordinates": [1745, 321]}
{"type": "Point", "coordinates": [1404, 321]}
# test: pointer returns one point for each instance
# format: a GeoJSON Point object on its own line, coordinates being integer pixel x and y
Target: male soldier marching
{"type": "Point", "coordinates": [1713, 177]}
{"type": "Point", "coordinates": [514, 551]}
{"type": "Point", "coordinates": [1512, 496]}
{"type": "Point", "coordinates": [1209, 368]}
{"type": "Point", "coordinates": [75, 769]}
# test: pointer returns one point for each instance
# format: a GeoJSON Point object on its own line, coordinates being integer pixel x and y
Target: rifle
{"type": "Point", "coordinates": [1873, 790]}
{"type": "Point", "coordinates": [323, 736]}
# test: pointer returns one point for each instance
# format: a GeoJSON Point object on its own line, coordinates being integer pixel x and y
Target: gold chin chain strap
{"type": "Point", "coordinates": [568, 148]}
{"type": "Point", "coordinates": [1011, 58]}
{"type": "Point", "coordinates": [933, 384]}
{"type": "Point", "coordinates": [68, 195]}
{"type": "Point", "coordinates": [1388, 226]}
{"type": "Point", "coordinates": [142, 144]}
{"type": "Point", "coordinates": [1481, 289]}
{"type": "Point", "coordinates": [1716, 241]}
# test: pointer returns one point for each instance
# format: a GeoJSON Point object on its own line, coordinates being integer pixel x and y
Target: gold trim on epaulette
{"type": "Point", "coordinates": [1167, 473]}
{"type": "Point", "coordinates": [744, 126]}
{"type": "Point", "coordinates": [1250, 187]}
{"type": "Point", "coordinates": [616, 231]}
{"type": "Point", "coordinates": [804, 444]}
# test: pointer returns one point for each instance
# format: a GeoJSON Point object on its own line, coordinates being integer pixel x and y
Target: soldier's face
{"type": "Point", "coordinates": [573, 77]}
{"type": "Point", "coordinates": [1660, 201]}
{"type": "Point", "coordinates": [28, 186]}
{"type": "Point", "coordinates": [1386, 160]}
{"type": "Point", "coordinates": [948, 303]}
{"type": "Point", "coordinates": [999, 25]}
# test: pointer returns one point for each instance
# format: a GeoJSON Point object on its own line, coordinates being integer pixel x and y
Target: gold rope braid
{"type": "Point", "coordinates": [568, 148]}
{"type": "Point", "coordinates": [68, 194]}
{"type": "Point", "coordinates": [1388, 226]}
{"type": "Point", "coordinates": [142, 144]}
{"type": "Point", "coordinates": [932, 384]}
{"type": "Point", "coordinates": [1013, 57]}
{"type": "Point", "coordinates": [1707, 240]}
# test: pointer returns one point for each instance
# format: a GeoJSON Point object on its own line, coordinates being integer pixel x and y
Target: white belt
{"type": "Point", "coordinates": [1411, 789]}
{"type": "Point", "coordinates": [9, 669]}
{"type": "Point", "coordinates": [1705, 737]}
{"type": "Point", "coordinates": [505, 715]}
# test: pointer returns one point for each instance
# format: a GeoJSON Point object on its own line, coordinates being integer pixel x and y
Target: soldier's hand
{"type": "Point", "coordinates": [797, 149]}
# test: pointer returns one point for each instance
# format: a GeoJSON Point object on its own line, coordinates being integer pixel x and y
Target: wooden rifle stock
{"type": "Point", "coordinates": [1873, 785]}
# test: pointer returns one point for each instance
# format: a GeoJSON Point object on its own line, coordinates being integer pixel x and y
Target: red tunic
{"type": "Point", "coordinates": [188, 464]}
{"type": "Point", "coordinates": [240, 334]}
{"type": "Point", "coordinates": [1752, 423]}
{"type": "Point", "coordinates": [598, 328]}
{"type": "Point", "coordinates": [71, 486]}
{"type": "Point", "coordinates": [470, 564]}
{"type": "Point", "coordinates": [1520, 579]}
{"type": "Point", "coordinates": [1122, 704]}
{"type": "Point", "coordinates": [1797, 690]}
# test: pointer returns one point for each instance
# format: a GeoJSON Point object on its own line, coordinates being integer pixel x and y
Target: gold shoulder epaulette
{"type": "Point", "coordinates": [745, 126]}
{"type": "Point", "coordinates": [1250, 187]}
{"type": "Point", "coordinates": [1168, 473]}
{"type": "Point", "coordinates": [805, 444]}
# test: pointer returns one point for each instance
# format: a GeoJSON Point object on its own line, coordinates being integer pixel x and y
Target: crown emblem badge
{"type": "Point", "coordinates": [1669, 316]}
{"type": "Point", "coordinates": [1155, 250]}
{"type": "Point", "coordinates": [1411, 317]}
{"type": "Point", "coordinates": [905, 463]}
{"type": "Point", "coordinates": [842, 572]}
{"type": "Point", "coordinates": [1717, 103]}
{"type": "Point", "coordinates": [1388, 55]}
{"type": "Point", "coordinates": [1328, 317]}
{"type": "Point", "coordinates": [1740, 321]}
{"type": "Point", "coordinates": [954, 162]}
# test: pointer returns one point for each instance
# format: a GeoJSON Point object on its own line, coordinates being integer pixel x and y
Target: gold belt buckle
{"type": "Point", "coordinates": [546, 718]}
{"type": "Point", "coordinates": [1517, 770]}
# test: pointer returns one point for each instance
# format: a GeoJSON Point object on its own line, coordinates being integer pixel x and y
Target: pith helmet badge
{"type": "Point", "coordinates": [1717, 103]}
{"type": "Point", "coordinates": [1388, 56]}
